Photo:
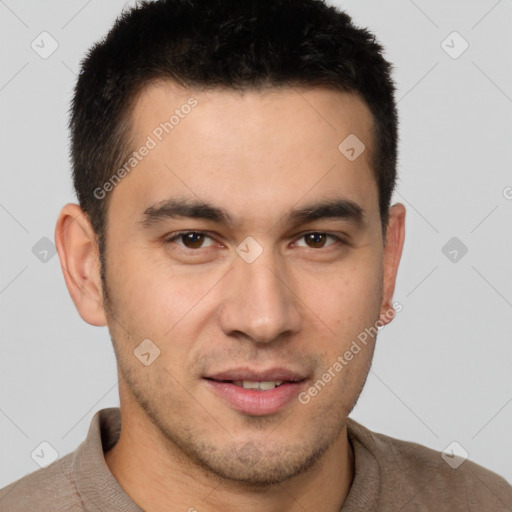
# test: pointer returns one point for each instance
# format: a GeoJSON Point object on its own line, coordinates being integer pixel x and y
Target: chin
{"type": "Point", "coordinates": [248, 466]}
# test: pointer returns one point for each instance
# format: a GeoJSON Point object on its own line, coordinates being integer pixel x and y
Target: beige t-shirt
{"type": "Point", "coordinates": [390, 475]}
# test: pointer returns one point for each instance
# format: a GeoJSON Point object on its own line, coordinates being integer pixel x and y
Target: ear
{"type": "Point", "coordinates": [394, 242]}
{"type": "Point", "coordinates": [77, 246]}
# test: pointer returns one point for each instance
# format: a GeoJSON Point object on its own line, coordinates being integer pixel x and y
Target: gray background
{"type": "Point", "coordinates": [441, 371]}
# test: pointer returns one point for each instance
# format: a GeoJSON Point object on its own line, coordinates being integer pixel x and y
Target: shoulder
{"type": "Point", "coordinates": [50, 488]}
{"type": "Point", "coordinates": [422, 476]}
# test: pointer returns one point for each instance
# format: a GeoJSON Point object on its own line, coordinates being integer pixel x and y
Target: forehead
{"type": "Point", "coordinates": [322, 108]}
{"type": "Point", "coordinates": [252, 150]}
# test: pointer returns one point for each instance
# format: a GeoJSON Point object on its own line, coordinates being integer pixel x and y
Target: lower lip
{"type": "Point", "coordinates": [253, 401]}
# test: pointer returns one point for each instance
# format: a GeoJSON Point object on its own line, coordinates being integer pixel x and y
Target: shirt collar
{"type": "Point", "coordinates": [96, 485]}
{"type": "Point", "coordinates": [365, 489]}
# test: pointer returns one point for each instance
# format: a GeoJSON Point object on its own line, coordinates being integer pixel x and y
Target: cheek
{"type": "Point", "coordinates": [148, 290]}
{"type": "Point", "coordinates": [153, 301]}
{"type": "Point", "coordinates": [347, 296]}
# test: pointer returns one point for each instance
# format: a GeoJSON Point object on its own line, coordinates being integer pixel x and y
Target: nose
{"type": "Point", "coordinates": [259, 304]}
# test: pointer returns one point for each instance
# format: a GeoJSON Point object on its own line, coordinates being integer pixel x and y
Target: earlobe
{"type": "Point", "coordinates": [79, 258]}
{"type": "Point", "coordinates": [395, 236]}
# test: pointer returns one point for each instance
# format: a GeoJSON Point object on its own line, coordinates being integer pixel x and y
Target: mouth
{"type": "Point", "coordinates": [256, 393]}
{"type": "Point", "coordinates": [259, 385]}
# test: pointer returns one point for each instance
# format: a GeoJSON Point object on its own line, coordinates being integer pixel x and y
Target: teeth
{"type": "Point", "coordinates": [263, 385]}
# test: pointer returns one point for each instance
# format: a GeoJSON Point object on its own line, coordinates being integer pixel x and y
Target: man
{"type": "Point", "coordinates": [234, 164]}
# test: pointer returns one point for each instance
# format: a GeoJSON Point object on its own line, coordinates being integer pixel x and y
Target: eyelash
{"type": "Point", "coordinates": [174, 237]}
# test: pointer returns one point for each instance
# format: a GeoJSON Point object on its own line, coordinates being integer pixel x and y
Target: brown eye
{"type": "Point", "coordinates": [193, 240]}
{"type": "Point", "coordinates": [189, 239]}
{"type": "Point", "coordinates": [317, 240]}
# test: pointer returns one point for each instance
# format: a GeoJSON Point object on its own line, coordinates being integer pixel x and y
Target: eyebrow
{"type": "Point", "coordinates": [338, 208]}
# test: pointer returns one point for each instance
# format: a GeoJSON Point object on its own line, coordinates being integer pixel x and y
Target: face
{"type": "Point", "coordinates": [248, 249]}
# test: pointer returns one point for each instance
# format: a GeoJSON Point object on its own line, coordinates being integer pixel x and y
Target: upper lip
{"type": "Point", "coordinates": [271, 374]}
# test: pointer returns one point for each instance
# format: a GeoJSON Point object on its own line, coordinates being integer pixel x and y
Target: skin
{"type": "Point", "coordinates": [299, 305]}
